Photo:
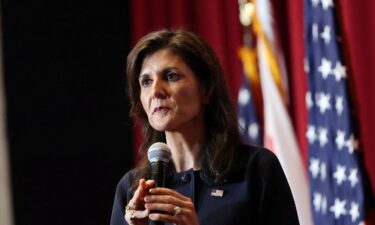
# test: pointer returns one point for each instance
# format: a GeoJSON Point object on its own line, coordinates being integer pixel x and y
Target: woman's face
{"type": "Point", "coordinates": [171, 95]}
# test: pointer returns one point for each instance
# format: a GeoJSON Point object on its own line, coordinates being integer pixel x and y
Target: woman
{"type": "Point", "coordinates": [178, 93]}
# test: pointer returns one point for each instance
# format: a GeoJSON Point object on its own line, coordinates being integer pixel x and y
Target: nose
{"type": "Point", "coordinates": [159, 89]}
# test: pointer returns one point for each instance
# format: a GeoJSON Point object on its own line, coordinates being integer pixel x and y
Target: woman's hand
{"type": "Point", "coordinates": [135, 212]}
{"type": "Point", "coordinates": [174, 207]}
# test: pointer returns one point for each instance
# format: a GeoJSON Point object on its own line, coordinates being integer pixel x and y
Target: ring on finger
{"type": "Point", "coordinates": [176, 211]}
{"type": "Point", "coordinates": [132, 217]}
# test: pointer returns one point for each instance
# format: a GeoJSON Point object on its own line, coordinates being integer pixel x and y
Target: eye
{"type": "Point", "coordinates": [172, 76]}
{"type": "Point", "coordinates": [145, 82]}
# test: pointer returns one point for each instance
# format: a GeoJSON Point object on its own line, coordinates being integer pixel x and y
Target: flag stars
{"type": "Point", "coordinates": [320, 203]}
{"type": "Point", "coordinates": [309, 101]}
{"type": "Point", "coordinates": [324, 205]}
{"type": "Point", "coordinates": [323, 171]}
{"type": "Point", "coordinates": [244, 96]}
{"type": "Point", "coordinates": [311, 134]}
{"type": "Point", "coordinates": [339, 71]}
{"type": "Point", "coordinates": [340, 139]}
{"type": "Point", "coordinates": [323, 137]}
{"type": "Point", "coordinates": [315, 2]}
{"type": "Point", "coordinates": [352, 144]}
{"type": "Point", "coordinates": [353, 177]}
{"type": "Point", "coordinates": [339, 174]}
{"type": "Point", "coordinates": [323, 102]}
{"type": "Point", "coordinates": [335, 177]}
{"type": "Point", "coordinates": [306, 66]}
{"type": "Point", "coordinates": [253, 131]}
{"type": "Point", "coordinates": [327, 3]}
{"type": "Point", "coordinates": [317, 201]}
{"type": "Point", "coordinates": [338, 208]}
{"type": "Point", "coordinates": [314, 167]}
{"type": "Point", "coordinates": [339, 105]}
{"type": "Point", "coordinates": [326, 34]}
{"type": "Point", "coordinates": [315, 32]}
{"type": "Point", "coordinates": [354, 211]}
{"type": "Point", "coordinates": [325, 67]}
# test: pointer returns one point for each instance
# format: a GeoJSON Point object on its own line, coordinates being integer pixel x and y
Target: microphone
{"type": "Point", "coordinates": [159, 156]}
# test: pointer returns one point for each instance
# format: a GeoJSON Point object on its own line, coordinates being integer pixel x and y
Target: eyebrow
{"type": "Point", "coordinates": [166, 69]}
{"type": "Point", "coordinates": [143, 75]}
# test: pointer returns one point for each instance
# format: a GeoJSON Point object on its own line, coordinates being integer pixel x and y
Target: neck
{"type": "Point", "coordinates": [186, 148]}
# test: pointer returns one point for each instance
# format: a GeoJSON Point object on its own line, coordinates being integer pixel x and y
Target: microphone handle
{"type": "Point", "coordinates": [158, 174]}
{"type": "Point", "coordinates": [151, 222]}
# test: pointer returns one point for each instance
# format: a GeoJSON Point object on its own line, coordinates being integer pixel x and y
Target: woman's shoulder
{"type": "Point", "coordinates": [256, 153]}
{"type": "Point", "coordinates": [128, 177]}
{"type": "Point", "coordinates": [259, 159]}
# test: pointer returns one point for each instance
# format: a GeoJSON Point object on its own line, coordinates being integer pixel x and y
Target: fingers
{"type": "Point", "coordinates": [141, 191]}
{"type": "Point", "coordinates": [136, 214]}
{"type": "Point", "coordinates": [162, 204]}
{"type": "Point", "coordinates": [167, 191]}
{"type": "Point", "coordinates": [138, 194]}
{"type": "Point", "coordinates": [167, 199]}
{"type": "Point", "coordinates": [184, 216]}
{"type": "Point", "coordinates": [170, 206]}
{"type": "Point", "coordinates": [165, 212]}
{"type": "Point", "coordinates": [164, 208]}
{"type": "Point", "coordinates": [135, 209]}
{"type": "Point", "coordinates": [150, 184]}
{"type": "Point", "coordinates": [165, 218]}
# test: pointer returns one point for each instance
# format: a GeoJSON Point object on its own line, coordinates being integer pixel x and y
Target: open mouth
{"type": "Point", "coordinates": [161, 109]}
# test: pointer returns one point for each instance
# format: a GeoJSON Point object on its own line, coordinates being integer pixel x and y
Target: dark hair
{"type": "Point", "coordinates": [220, 149]}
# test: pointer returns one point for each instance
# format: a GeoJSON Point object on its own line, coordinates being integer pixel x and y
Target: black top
{"type": "Point", "coordinates": [258, 194]}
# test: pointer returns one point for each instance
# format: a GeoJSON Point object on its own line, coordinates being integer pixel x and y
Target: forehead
{"type": "Point", "coordinates": [162, 58]}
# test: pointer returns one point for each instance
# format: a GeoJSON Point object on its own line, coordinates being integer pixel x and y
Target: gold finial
{"type": "Point", "coordinates": [246, 12]}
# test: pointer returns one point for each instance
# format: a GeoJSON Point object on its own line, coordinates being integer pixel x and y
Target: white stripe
{"type": "Point", "coordinates": [278, 125]}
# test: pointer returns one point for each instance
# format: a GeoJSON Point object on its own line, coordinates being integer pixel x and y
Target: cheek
{"type": "Point", "coordinates": [190, 98]}
{"type": "Point", "coordinates": [144, 102]}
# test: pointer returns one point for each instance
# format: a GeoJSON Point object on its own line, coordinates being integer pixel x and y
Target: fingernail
{"type": "Point", "coordinates": [146, 199]}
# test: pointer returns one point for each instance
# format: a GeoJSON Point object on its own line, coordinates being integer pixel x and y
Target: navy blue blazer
{"type": "Point", "coordinates": [259, 194]}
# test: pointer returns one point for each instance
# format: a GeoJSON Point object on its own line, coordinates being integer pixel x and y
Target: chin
{"type": "Point", "coordinates": [159, 127]}
{"type": "Point", "coordinates": [162, 127]}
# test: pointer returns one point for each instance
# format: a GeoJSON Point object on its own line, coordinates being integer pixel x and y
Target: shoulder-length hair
{"type": "Point", "coordinates": [222, 137]}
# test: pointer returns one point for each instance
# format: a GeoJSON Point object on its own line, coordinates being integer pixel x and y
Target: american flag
{"type": "Point", "coordinates": [248, 119]}
{"type": "Point", "coordinates": [337, 194]}
{"type": "Point", "coordinates": [247, 116]}
{"type": "Point", "coordinates": [264, 68]}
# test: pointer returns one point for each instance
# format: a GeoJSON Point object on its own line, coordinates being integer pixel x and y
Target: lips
{"type": "Point", "coordinates": [160, 109]}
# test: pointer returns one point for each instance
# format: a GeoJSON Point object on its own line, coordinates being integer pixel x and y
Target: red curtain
{"type": "Point", "coordinates": [359, 27]}
{"type": "Point", "coordinates": [217, 22]}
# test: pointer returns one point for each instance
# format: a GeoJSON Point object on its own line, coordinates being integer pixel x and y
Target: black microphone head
{"type": "Point", "coordinates": [159, 152]}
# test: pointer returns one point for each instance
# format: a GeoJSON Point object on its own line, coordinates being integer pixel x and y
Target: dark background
{"type": "Point", "coordinates": [67, 112]}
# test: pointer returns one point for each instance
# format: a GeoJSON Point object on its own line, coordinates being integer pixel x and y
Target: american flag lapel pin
{"type": "Point", "coordinates": [217, 193]}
